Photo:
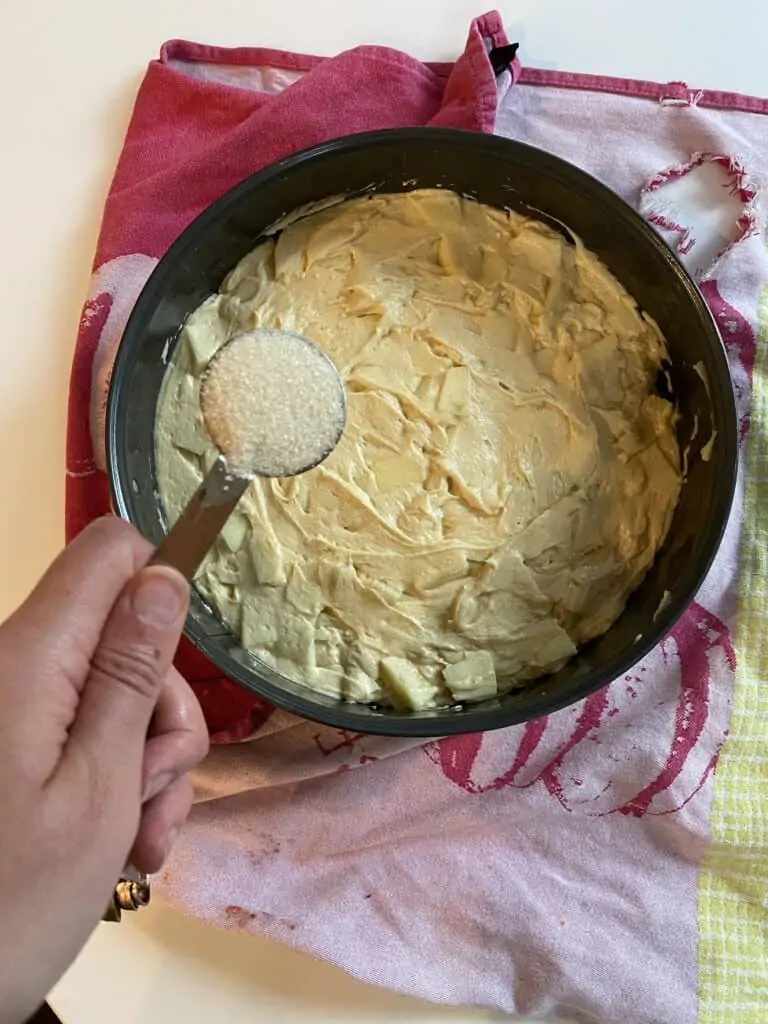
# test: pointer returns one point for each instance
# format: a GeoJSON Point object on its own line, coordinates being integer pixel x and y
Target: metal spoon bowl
{"type": "Point", "coordinates": [194, 532]}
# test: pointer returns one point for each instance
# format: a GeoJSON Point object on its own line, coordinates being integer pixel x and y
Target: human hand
{"type": "Point", "coordinates": [97, 732]}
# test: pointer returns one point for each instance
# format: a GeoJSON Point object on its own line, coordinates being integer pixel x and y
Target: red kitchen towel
{"type": "Point", "coordinates": [205, 118]}
{"type": "Point", "coordinates": [553, 867]}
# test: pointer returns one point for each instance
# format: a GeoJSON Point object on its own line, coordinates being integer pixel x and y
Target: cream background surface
{"type": "Point", "coordinates": [67, 81]}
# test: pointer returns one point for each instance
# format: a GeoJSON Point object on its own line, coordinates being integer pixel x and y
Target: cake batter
{"type": "Point", "coordinates": [507, 473]}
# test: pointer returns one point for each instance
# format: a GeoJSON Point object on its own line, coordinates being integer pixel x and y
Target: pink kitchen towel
{"type": "Point", "coordinates": [551, 868]}
{"type": "Point", "coordinates": [204, 119]}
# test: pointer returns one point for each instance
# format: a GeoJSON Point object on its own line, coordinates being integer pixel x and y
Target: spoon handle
{"type": "Point", "coordinates": [184, 547]}
{"type": "Point", "coordinates": [192, 535]}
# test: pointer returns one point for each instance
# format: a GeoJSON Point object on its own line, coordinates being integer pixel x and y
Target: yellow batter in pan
{"type": "Point", "coordinates": [507, 474]}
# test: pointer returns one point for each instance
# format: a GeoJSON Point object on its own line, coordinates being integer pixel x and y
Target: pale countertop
{"type": "Point", "coordinates": [69, 74]}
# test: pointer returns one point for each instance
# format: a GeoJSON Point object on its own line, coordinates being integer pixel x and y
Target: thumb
{"type": "Point", "coordinates": [128, 671]}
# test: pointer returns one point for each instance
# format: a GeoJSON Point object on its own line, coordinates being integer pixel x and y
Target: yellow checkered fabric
{"type": "Point", "coordinates": [733, 886]}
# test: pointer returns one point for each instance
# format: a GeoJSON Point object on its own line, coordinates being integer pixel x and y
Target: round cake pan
{"type": "Point", "coordinates": [503, 174]}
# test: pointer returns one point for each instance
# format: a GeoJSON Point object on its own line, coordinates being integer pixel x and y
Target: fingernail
{"type": "Point", "coordinates": [170, 842]}
{"type": "Point", "coordinates": [159, 596]}
{"type": "Point", "coordinates": [156, 785]}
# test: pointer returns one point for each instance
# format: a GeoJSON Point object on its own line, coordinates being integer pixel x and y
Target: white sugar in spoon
{"type": "Point", "coordinates": [274, 405]}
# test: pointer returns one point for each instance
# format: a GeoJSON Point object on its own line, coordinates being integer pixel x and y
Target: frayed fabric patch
{"type": "Point", "coordinates": [679, 95]}
{"type": "Point", "coordinates": [704, 207]}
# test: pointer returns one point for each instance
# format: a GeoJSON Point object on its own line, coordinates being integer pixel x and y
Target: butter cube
{"type": "Point", "coordinates": [473, 678]}
{"type": "Point", "coordinates": [205, 332]}
{"type": "Point", "coordinates": [234, 530]}
{"type": "Point", "coordinates": [188, 430]}
{"type": "Point", "coordinates": [406, 685]}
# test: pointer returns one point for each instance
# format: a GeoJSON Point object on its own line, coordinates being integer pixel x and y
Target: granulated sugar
{"type": "Point", "coordinates": [273, 403]}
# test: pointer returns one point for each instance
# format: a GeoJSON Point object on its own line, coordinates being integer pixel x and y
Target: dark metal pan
{"type": "Point", "coordinates": [500, 173]}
